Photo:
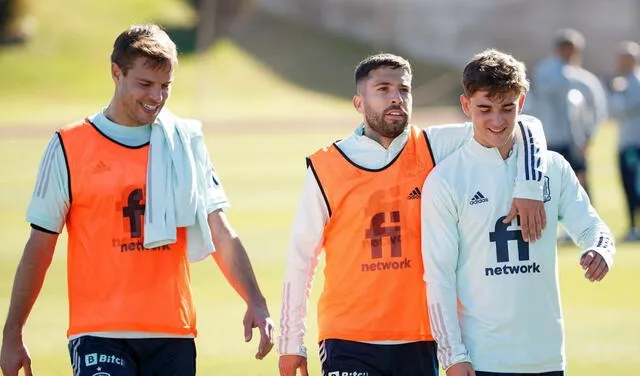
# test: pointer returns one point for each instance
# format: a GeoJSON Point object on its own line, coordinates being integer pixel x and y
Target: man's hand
{"type": "Point", "coordinates": [461, 369]}
{"type": "Point", "coordinates": [257, 316]}
{"type": "Point", "coordinates": [14, 356]}
{"type": "Point", "coordinates": [595, 266]}
{"type": "Point", "coordinates": [289, 365]}
{"type": "Point", "coordinates": [532, 218]}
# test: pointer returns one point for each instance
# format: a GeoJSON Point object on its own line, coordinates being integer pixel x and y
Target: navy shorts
{"type": "Point", "coordinates": [556, 373]}
{"type": "Point", "coordinates": [348, 358]}
{"type": "Point", "coordinates": [629, 161]}
{"type": "Point", "coordinates": [97, 356]}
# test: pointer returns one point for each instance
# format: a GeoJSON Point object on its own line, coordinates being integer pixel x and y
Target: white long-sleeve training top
{"type": "Point", "coordinates": [494, 299]}
{"type": "Point", "coordinates": [306, 240]}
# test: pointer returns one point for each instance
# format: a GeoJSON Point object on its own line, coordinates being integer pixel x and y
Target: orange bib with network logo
{"type": "Point", "coordinates": [374, 288]}
{"type": "Point", "coordinates": [115, 284]}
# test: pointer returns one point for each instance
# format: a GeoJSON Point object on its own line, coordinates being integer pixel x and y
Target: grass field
{"type": "Point", "coordinates": [263, 174]}
{"type": "Point", "coordinates": [265, 70]}
{"type": "Point", "coordinates": [265, 111]}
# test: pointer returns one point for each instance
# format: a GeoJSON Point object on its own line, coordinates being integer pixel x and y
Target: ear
{"type": "Point", "coordinates": [464, 103]}
{"type": "Point", "coordinates": [358, 103]}
{"type": "Point", "coordinates": [523, 96]}
{"type": "Point", "coordinates": [116, 72]}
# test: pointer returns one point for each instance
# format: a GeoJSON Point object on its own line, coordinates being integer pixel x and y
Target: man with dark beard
{"type": "Point", "coordinates": [361, 204]}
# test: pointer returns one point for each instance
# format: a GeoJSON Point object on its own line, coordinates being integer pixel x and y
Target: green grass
{"type": "Point", "coordinates": [244, 87]}
{"type": "Point", "coordinates": [263, 174]}
{"type": "Point", "coordinates": [57, 71]}
{"type": "Point", "coordinates": [265, 70]}
{"type": "Point", "coordinates": [64, 71]}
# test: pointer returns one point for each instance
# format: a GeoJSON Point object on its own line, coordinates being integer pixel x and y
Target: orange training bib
{"type": "Point", "coordinates": [374, 288]}
{"type": "Point", "coordinates": [114, 283]}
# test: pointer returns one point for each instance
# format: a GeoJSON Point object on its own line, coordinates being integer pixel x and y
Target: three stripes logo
{"type": "Point", "coordinates": [415, 194]}
{"type": "Point", "coordinates": [478, 198]}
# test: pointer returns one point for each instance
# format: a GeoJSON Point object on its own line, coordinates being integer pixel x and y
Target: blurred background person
{"type": "Point", "coordinates": [569, 100]}
{"type": "Point", "coordinates": [571, 103]}
{"type": "Point", "coordinates": [16, 24]}
{"type": "Point", "coordinates": [624, 104]}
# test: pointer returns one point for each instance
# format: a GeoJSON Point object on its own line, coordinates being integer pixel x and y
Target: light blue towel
{"type": "Point", "coordinates": [176, 186]}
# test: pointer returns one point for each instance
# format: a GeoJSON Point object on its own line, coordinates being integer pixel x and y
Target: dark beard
{"type": "Point", "coordinates": [387, 129]}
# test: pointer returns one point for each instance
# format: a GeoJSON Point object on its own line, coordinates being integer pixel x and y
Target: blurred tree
{"type": "Point", "coordinates": [12, 21]}
{"type": "Point", "coordinates": [217, 17]}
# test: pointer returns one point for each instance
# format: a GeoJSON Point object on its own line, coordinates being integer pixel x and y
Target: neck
{"type": "Point", "coordinates": [375, 136]}
{"type": "Point", "coordinates": [505, 150]}
{"type": "Point", "coordinates": [111, 113]}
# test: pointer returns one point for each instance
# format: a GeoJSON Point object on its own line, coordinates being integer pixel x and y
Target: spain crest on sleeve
{"type": "Point", "coordinates": [546, 190]}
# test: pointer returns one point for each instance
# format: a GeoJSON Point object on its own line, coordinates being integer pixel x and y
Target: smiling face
{"type": "Point", "coordinates": [494, 85]}
{"type": "Point", "coordinates": [142, 64]}
{"type": "Point", "coordinates": [494, 118]}
{"type": "Point", "coordinates": [384, 98]}
{"type": "Point", "coordinates": [141, 93]}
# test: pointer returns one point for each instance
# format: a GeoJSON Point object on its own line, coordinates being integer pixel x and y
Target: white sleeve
{"type": "Point", "coordinates": [529, 138]}
{"type": "Point", "coordinates": [445, 139]}
{"type": "Point", "coordinates": [305, 245]}
{"type": "Point", "coordinates": [440, 242]}
{"type": "Point", "coordinates": [531, 144]}
{"type": "Point", "coordinates": [580, 218]}
{"type": "Point", "coordinates": [50, 199]}
{"type": "Point", "coordinates": [216, 196]}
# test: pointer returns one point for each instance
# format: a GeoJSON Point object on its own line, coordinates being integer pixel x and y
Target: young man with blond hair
{"type": "Point", "coordinates": [132, 228]}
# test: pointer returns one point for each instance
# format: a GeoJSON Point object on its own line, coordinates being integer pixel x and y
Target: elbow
{"type": "Point", "coordinates": [38, 252]}
{"type": "Point", "coordinates": [221, 231]}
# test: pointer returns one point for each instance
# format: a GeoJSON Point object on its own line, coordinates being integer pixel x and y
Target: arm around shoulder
{"type": "Point", "coordinates": [528, 186]}
{"type": "Point", "coordinates": [531, 144]}
{"type": "Point", "coordinates": [446, 138]}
